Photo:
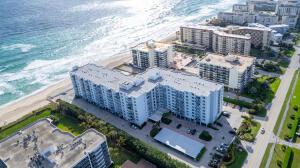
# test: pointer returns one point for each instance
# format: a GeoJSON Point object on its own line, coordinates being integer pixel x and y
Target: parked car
{"type": "Point", "coordinates": [178, 126]}
{"type": "Point", "coordinates": [193, 131]}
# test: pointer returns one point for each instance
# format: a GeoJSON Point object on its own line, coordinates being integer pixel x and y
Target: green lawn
{"type": "Point", "coordinates": [279, 155]}
{"type": "Point", "coordinates": [266, 156]}
{"type": "Point", "coordinates": [240, 157]}
{"type": "Point", "coordinates": [294, 101]}
{"type": "Point", "coordinates": [276, 127]}
{"type": "Point", "coordinates": [265, 95]}
{"type": "Point", "coordinates": [69, 124]}
{"type": "Point", "coordinates": [6, 132]}
{"type": "Point", "coordinates": [119, 156]}
{"type": "Point", "coordinates": [274, 87]}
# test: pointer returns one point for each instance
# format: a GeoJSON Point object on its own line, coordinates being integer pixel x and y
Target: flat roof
{"type": "Point", "coordinates": [179, 142]}
{"type": "Point", "coordinates": [217, 30]}
{"type": "Point", "coordinates": [249, 28]}
{"type": "Point", "coordinates": [19, 148]}
{"type": "Point", "coordinates": [152, 45]}
{"type": "Point", "coordinates": [232, 61]}
{"type": "Point", "coordinates": [112, 79]}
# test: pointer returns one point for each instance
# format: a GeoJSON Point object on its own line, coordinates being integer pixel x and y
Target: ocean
{"type": "Point", "coordinates": [40, 40]}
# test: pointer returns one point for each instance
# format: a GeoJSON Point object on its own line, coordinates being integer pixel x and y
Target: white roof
{"type": "Point", "coordinates": [179, 142]}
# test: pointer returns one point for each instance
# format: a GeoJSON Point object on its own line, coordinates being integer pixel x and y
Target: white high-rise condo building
{"type": "Point", "coordinates": [136, 98]}
{"type": "Point", "coordinates": [152, 54]}
{"type": "Point", "coordinates": [288, 11]}
{"type": "Point", "coordinates": [41, 144]}
{"type": "Point", "coordinates": [216, 38]}
{"type": "Point", "coordinates": [234, 71]}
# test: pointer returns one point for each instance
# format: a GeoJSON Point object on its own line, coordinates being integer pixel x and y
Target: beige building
{"type": "Point", "coordinates": [234, 71]}
{"type": "Point", "coordinates": [216, 38]}
{"type": "Point", "coordinates": [259, 36]}
{"type": "Point", "coordinates": [152, 54]}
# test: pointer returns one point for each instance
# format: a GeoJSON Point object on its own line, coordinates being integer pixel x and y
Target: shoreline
{"type": "Point", "coordinates": [16, 109]}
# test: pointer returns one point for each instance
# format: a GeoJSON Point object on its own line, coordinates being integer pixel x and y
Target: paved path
{"type": "Point", "coordinates": [261, 143]}
{"type": "Point", "coordinates": [282, 121]}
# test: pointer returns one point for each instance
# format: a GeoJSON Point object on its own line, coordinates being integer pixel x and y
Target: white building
{"type": "Point", "coordinates": [216, 38]}
{"type": "Point", "coordinates": [152, 54]}
{"type": "Point", "coordinates": [240, 8]}
{"type": "Point", "coordinates": [288, 10]}
{"type": "Point", "coordinates": [234, 71]}
{"type": "Point", "coordinates": [237, 18]}
{"type": "Point", "coordinates": [289, 20]}
{"type": "Point", "coordinates": [135, 98]}
{"type": "Point", "coordinates": [262, 5]}
{"type": "Point", "coordinates": [41, 144]}
{"type": "Point", "coordinates": [281, 28]}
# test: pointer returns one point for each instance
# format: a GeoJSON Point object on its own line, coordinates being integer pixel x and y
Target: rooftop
{"type": "Point", "coordinates": [232, 61]}
{"type": "Point", "coordinates": [26, 147]}
{"type": "Point", "coordinates": [248, 28]}
{"type": "Point", "coordinates": [217, 30]}
{"type": "Point", "coordinates": [179, 142]}
{"type": "Point", "coordinates": [134, 86]}
{"type": "Point", "coordinates": [152, 45]}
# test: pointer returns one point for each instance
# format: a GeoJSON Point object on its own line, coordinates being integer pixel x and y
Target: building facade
{"type": "Point", "coordinates": [152, 54]}
{"type": "Point", "coordinates": [44, 145]}
{"type": "Point", "coordinates": [234, 71]}
{"type": "Point", "coordinates": [216, 38]}
{"type": "Point", "coordinates": [259, 36]}
{"type": "Point", "coordinates": [136, 98]}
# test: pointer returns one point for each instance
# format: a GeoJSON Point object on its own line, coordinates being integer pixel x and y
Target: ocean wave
{"type": "Point", "coordinates": [22, 47]}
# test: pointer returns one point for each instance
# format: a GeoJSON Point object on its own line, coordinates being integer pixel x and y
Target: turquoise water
{"type": "Point", "coordinates": [40, 40]}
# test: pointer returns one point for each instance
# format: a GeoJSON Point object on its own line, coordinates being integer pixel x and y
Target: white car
{"type": "Point", "coordinates": [262, 131]}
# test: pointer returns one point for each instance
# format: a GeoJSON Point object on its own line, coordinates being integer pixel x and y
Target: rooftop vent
{"type": "Point", "coordinates": [75, 68]}
{"type": "Point", "coordinates": [155, 77]}
{"type": "Point", "coordinates": [150, 44]}
{"type": "Point", "coordinates": [126, 85]}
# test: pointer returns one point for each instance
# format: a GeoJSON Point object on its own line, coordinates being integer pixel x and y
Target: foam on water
{"type": "Point", "coordinates": [124, 24]}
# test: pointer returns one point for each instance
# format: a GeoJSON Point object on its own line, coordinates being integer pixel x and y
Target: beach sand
{"type": "Point", "coordinates": [15, 110]}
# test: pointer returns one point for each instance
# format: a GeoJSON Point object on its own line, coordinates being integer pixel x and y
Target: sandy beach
{"type": "Point", "coordinates": [12, 111]}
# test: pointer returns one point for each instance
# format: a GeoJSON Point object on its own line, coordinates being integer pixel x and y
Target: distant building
{"type": "Point", "coordinates": [234, 71]}
{"type": "Point", "coordinates": [281, 28]}
{"type": "Point", "coordinates": [136, 98]}
{"type": "Point", "coordinates": [289, 20]}
{"type": "Point", "coordinates": [152, 54]}
{"type": "Point", "coordinates": [216, 38]}
{"type": "Point", "coordinates": [41, 144]}
{"type": "Point", "coordinates": [237, 18]}
{"type": "Point", "coordinates": [288, 11]}
{"type": "Point", "coordinates": [262, 5]}
{"type": "Point", "coordinates": [240, 8]}
{"type": "Point", "coordinates": [276, 37]}
{"type": "Point", "coordinates": [259, 36]}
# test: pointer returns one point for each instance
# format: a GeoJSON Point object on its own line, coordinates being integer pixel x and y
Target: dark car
{"type": "Point", "coordinates": [193, 131]}
{"type": "Point", "coordinates": [178, 126]}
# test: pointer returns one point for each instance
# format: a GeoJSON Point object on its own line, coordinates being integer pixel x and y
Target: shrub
{"type": "Point", "coordinates": [283, 148]}
{"type": "Point", "coordinates": [205, 136]}
{"type": "Point", "coordinates": [166, 120]}
{"type": "Point", "coordinates": [287, 137]}
{"type": "Point", "coordinates": [287, 157]}
{"type": "Point", "coordinates": [279, 163]}
{"type": "Point", "coordinates": [55, 119]}
{"type": "Point", "coordinates": [292, 116]}
{"type": "Point", "coordinates": [212, 127]}
{"type": "Point", "coordinates": [252, 111]}
{"type": "Point", "coordinates": [200, 153]}
{"type": "Point", "coordinates": [295, 107]}
{"type": "Point", "coordinates": [154, 131]}
{"type": "Point", "coordinates": [289, 125]}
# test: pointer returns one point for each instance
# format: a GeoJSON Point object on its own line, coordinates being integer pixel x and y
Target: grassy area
{"type": "Point", "coordinates": [69, 124]}
{"type": "Point", "coordinates": [258, 90]}
{"type": "Point", "coordinates": [295, 101]}
{"type": "Point", "coordinates": [284, 64]}
{"type": "Point", "coordinates": [266, 156]}
{"type": "Point", "coordinates": [298, 40]}
{"type": "Point", "coordinates": [276, 127]}
{"type": "Point", "coordinates": [279, 155]}
{"type": "Point", "coordinates": [234, 158]}
{"type": "Point", "coordinates": [119, 156]}
{"type": "Point", "coordinates": [6, 132]}
{"type": "Point", "coordinates": [240, 158]}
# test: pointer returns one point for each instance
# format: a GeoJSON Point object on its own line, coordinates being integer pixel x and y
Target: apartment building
{"type": "Point", "coordinates": [237, 18]}
{"type": "Point", "coordinates": [136, 98]}
{"type": "Point", "coordinates": [288, 8]}
{"type": "Point", "coordinates": [262, 5]}
{"type": "Point", "coordinates": [41, 144]}
{"type": "Point", "coordinates": [234, 71]}
{"type": "Point", "coordinates": [259, 36]}
{"type": "Point", "coordinates": [216, 38]}
{"type": "Point", "coordinates": [240, 8]}
{"type": "Point", "coordinates": [152, 54]}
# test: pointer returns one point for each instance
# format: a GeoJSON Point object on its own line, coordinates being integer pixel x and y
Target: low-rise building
{"type": "Point", "coordinates": [234, 71]}
{"type": "Point", "coordinates": [136, 98]}
{"type": "Point", "coordinates": [41, 144]}
{"type": "Point", "coordinates": [216, 38]}
{"type": "Point", "coordinates": [152, 54]}
{"type": "Point", "coordinates": [280, 28]}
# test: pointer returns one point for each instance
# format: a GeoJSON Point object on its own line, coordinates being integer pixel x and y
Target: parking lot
{"type": "Point", "coordinates": [219, 136]}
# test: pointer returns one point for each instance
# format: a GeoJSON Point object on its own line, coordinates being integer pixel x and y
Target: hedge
{"type": "Point", "coordinates": [287, 157]}
{"type": "Point", "coordinates": [245, 104]}
{"type": "Point", "coordinates": [294, 126]}
{"type": "Point", "coordinates": [166, 120]}
{"type": "Point", "coordinates": [113, 134]}
{"type": "Point", "coordinates": [205, 136]}
{"type": "Point", "coordinates": [200, 153]}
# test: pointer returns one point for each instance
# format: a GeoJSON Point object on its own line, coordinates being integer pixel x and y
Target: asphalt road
{"type": "Point", "coordinates": [258, 148]}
